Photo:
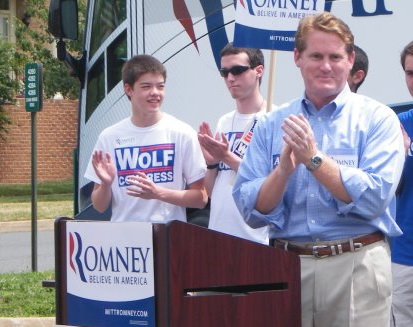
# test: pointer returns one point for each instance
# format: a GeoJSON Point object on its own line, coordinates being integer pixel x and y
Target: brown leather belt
{"type": "Point", "coordinates": [325, 250]}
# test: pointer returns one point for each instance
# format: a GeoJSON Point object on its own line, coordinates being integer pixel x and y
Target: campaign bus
{"type": "Point", "coordinates": [187, 36]}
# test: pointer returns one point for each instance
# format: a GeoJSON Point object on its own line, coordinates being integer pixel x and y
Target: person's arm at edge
{"type": "Point", "coordinates": [268, 199]}
{"type": "Point", "coordinates": [101, 197]}
{"type": "Point", "coordinates": [195, 196]}
{"type": "Point", "coordinates": [105, 171]}
{"type": "Point", "coordinates": [372, 183]}
{"type": "Point", "coordinates": [211, 174]}
{"type": "Point", "coordinates": [232, 160]}
{"type": "Point", "coordinates": [252, 173]}
{"type": "Point", "coordinates": [328, 174]}
{"type": "Point", "coordinates": [209, 180]}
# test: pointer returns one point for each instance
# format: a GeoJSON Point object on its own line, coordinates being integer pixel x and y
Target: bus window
{"type": "Point", "coordinates": [108, 14]}
{"type": "Point", "coordinates": [116, 56]}
{"type": "Point", "coordinates": [95, 87]}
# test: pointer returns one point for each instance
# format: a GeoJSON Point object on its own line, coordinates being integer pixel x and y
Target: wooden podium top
{"type": "Point", "coordinates": [206, 278]}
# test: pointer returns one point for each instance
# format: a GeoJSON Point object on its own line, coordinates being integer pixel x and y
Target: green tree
{"type": "Point", "coordinates": [9, 84]}
{"type": "Point", "coordinates": [34, 44]}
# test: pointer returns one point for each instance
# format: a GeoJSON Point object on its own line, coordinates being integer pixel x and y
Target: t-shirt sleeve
{"type": "Point", "coordinates": [194, 167]}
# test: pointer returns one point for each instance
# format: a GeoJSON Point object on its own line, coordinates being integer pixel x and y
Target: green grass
{"type": "Point", "coordinates": [22, 295]}
{"type": "Point", "coordinates": [43, 189]}
{"type": "Point", "coordinates": [53, 199]}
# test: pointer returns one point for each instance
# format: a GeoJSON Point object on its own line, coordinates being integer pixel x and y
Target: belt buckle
{"type": "Point", "coordinates": [318, 247]}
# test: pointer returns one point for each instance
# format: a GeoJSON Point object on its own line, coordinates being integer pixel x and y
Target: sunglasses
{"type": "Point", "coordinates": [234, 70]}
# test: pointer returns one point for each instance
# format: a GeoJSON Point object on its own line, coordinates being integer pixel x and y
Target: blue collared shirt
{"type": "Point", "coordinates": [363, 136]}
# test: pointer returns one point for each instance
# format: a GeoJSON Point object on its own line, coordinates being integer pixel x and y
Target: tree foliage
{"type": "Point", "coordinates": [34, 43]}
{"type": "Point", "coordinates": [8, 82]}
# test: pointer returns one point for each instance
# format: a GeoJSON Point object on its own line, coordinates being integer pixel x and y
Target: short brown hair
{"type": "Point", "coordinates": [325, 22]}
{"type": "Point", "coordinates": [407, 51]}
{"type": "Point", "coordinates": [255, 56]}
{"type": "Point", "coordinates": [139, 65]}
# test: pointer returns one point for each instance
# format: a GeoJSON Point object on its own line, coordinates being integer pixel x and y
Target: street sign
{"type": "Point", "coordinates": [33, 82]}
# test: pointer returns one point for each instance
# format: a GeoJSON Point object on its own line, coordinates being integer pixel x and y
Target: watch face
{"type": "Point", "coordinates": [316, 160]}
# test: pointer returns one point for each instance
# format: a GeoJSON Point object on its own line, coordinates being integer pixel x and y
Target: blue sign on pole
{"type": "Point", "coordinates": [269, 24]}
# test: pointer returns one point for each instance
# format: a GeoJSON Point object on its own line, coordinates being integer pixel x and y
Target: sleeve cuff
{"type": "Point", "coordinates": [351, 178]}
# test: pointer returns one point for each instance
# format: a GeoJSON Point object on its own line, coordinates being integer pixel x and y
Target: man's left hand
{"type": "Point", "coordinates": [300, 137]}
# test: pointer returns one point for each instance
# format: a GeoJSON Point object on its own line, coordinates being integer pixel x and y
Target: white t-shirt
{"type": "Point", "coordinates": [168, 152]}
{"type": "Point", "coordinates": [224, 216]}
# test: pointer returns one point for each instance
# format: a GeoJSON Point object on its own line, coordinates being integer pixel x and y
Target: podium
{"type": "Point", "coordinates": [207, 278]}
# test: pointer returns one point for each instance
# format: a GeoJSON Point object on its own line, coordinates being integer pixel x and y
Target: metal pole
{"type": "Point", "coordinates": [34, 191]}
{"type": "Point", "coordinates": [271, 78]}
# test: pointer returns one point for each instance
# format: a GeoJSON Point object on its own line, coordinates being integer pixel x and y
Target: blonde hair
{"type": "Point", "coordinates": [325, 22]}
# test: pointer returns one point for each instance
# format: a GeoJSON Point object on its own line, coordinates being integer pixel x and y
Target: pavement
{"type": "Point", "coordinates": [25, 226]}
{"type": "Point", "coordinates": [28, 322]}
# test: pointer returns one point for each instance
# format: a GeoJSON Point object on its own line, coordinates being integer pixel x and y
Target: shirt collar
{"type": "Point", "coordinates": [334, 107]}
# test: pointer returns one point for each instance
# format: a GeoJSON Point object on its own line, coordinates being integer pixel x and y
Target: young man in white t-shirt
{"type": "Point", "coordinates": [148, 165]}
{"type": "Point", "coordinates": [242, 70]}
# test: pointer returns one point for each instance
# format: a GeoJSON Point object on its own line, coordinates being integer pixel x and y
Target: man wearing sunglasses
{"type": "Point", "coordinates": [242, 70]}
{"type": "Point", "coordinates": [322, 171]}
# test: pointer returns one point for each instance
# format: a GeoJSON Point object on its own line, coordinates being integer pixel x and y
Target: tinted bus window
{"type": "Point", "coordinates": [95, 87]}
{"type": "Point", "coordinates": [107, 15]}
{"type": "Point", "coordinates": [116, 56]}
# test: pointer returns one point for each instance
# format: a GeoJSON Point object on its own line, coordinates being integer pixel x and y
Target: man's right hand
{"type": "Point", "coordinates": [104, 167]}
{"type": "Point", "coordinates": [204, 136]}
{"type": "Point", "coordinates": [288, 162]}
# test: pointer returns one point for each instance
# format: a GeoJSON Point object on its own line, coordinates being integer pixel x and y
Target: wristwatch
{"type": "Point", "coordinates": [212, 166]}
{"type": "Point", "coordinates": [315, 161]}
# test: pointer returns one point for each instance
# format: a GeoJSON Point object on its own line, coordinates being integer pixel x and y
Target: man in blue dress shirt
{"type": "Point", "coordinates": [322, 171]}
